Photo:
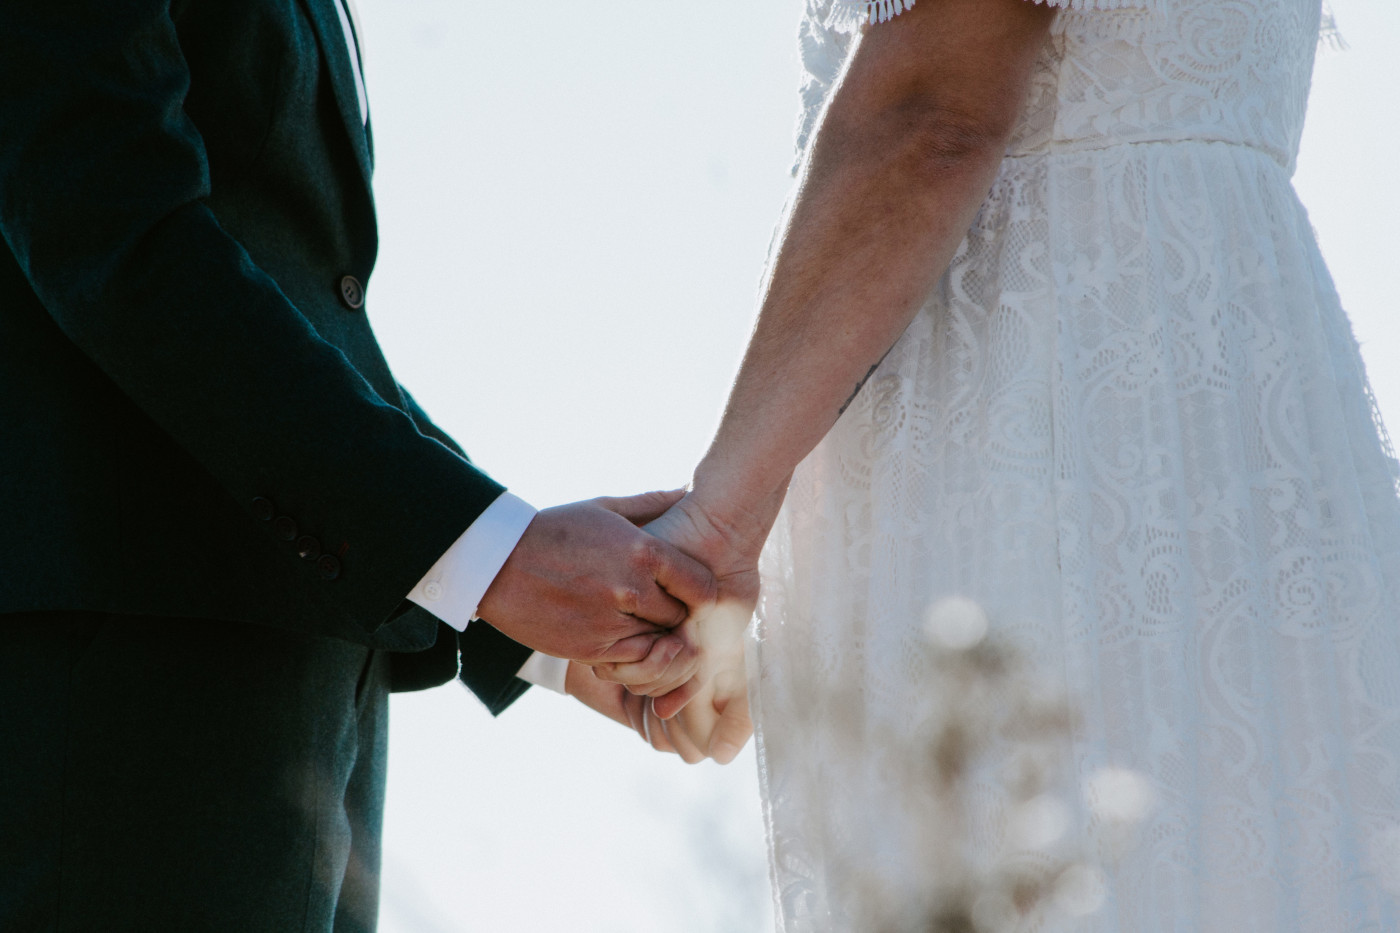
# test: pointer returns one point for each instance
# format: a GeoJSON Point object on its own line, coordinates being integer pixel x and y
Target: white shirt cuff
{"type": "Point", "coordinates": [545, 671]}
{"type": "Point", "coordinates": [453, 588]}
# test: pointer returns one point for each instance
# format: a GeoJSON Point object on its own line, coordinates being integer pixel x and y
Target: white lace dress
{"type": "Point", "coordinates": [1133, 424]}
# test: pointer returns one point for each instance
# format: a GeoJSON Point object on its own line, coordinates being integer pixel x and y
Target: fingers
{"type": "Point", "coordinates": [652, 650]}
{"type": "Point", "coordinates": [683, 577]}
{"type": "Point", "coordinates": [685, 668]}
{"type": "Point", "coordinates": [653, 604]}
{"type": "Point", "coordinates": [735, 725]}
{"type": "Point", "coordinates": [638, 711]}
{"type": "Point", "coordinates": [583, 577]}
{"type": "Point", "coordinates": [717, 726]}
{"type": "Point", "coordinates": [672, 703]}
{"type": "Point", "coordinates": [719, 634]}
{"type": "Point", "coordinates": [670, 661]}
{"type": "Point", "coordinates": [643, 507]}
{"type": "Point", "coordinates": [685, 745]}
{"type": "Point", "coordinates": [634, 711]}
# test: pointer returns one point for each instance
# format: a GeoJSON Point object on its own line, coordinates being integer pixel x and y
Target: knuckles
{"type": "Point", "coordinates": [627, 598]}
{"type": "Point", "coordinates": [644, 553]}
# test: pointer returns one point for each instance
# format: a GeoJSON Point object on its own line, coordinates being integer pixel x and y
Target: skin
{"type": "Point", "coordinates": [620, 705]}
{"type": "Point", "coordinates": [906, 154]}
{"type": "Point", "coordinates": [717, 729]}
{"type": "Point", "coordinates": [586, 583]}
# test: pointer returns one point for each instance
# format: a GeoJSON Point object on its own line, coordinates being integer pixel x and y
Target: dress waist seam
{"type": "Point", "coordinates": [1104, 145]}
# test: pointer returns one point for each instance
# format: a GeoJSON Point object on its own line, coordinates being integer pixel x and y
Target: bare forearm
{"type": "Point", "coordinates": [908, 148]}
{"type": "Point", "coordinates": [891, 187]}
{"type": "Point", "coordinates": [872, 230]}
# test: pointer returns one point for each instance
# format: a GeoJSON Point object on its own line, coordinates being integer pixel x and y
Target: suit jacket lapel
{"type": "Point", "coordinates": [336, 53]}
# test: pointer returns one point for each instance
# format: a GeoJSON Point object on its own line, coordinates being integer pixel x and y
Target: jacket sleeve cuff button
{"type": "Point", "coordinates": [285, 528]}
{"type": "Point", "coordinates": [263, 509]}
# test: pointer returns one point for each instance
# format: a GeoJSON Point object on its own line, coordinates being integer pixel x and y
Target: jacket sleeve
{"type": "Point", "coordinates": [483, 659]}
{"type": "Point", "coordinates": [426, 426]}
{"type": "Point", "coordinates": [489, 660]}
{"type": "Point", "coordinates": [103, 181]}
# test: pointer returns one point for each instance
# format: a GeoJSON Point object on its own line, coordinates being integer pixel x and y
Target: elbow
{"type": "Point", "coordinates": [929, 130]}
{"type": "Point", "coordinates": [944, 140]}
{"type": "Point", "coordinates": [939, 134]}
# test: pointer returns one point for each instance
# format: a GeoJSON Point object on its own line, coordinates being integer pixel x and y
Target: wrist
{"type": "Point", "coordinates": [740, 514]}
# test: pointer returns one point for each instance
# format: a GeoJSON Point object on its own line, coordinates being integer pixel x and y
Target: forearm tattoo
{"type": "Point", "coordinates": [861, 384]}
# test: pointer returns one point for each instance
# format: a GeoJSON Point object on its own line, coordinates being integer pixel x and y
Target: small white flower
{"type": "Point", "coordinates": [956, 623]}
{"type": "Point", "coordinates": [1120, 795]}
{"type": "Point", "coordinates": [1038, 823]}
{"type": "Point", "coordinates": [1080, 890]}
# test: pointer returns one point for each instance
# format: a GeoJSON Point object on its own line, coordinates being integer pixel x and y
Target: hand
{"type": "Point", "coordinates": [618, 704]}
{"type": "Point", "coordinates": [585, 583]}
{"type": "Point", "coordinates": [711, 710]}
{"type": "Point", "coordinates": [715, 726]}
{"type": "Point", "coordinates": [716, 723]}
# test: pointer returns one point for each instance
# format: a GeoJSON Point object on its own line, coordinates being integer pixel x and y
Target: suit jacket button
{"type": "Point", "coordinates": [328, 567]}
{"type": "Point", "coordinates": [308, 548]}
{"type": "Point", "coordinates": [285, 528]}
{"type": "Point", "coordinates": [263, 509]}
{"type": "Point", "coordinates": [352, 293]}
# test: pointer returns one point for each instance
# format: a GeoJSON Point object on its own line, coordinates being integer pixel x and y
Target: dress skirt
{"type": "Point", "coordinates": [1133, 426]}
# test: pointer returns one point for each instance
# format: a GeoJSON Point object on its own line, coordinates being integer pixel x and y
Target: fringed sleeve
{"type": "Point", "coordinates": [1329, 36]}
{"type": "Point", "coordinates": [850, 15]}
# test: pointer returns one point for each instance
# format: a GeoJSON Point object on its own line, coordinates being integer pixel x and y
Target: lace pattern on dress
{"type": "Point", "coordinates": [1133, 423]}
{"type": "Point", "coordinates": [850, 15]}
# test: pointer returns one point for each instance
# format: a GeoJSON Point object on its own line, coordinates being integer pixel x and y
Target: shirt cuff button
{"type": "Point", "coordinates": [433, 591]}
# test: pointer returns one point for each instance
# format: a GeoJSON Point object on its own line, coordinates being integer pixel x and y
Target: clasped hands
{"type": "Point", "coordinates": [648, 598]}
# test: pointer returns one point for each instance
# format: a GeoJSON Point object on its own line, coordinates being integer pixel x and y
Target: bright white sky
{"type": "Point", "coordinates": [575, 203]}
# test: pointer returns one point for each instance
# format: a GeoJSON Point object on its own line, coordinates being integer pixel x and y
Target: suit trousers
{"type": "Point", "coordinates": [188, 775]}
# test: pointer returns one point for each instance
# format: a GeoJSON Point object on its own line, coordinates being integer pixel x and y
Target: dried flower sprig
{"type": "Point", "coordinates": [977, 828]}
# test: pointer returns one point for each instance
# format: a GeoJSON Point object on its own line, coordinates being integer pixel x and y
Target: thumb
{"type": "Point", "coordinates": [643, 507]}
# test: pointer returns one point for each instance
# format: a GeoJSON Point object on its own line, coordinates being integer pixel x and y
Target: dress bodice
{"type": "Point", "coordinates": [1235, 71]}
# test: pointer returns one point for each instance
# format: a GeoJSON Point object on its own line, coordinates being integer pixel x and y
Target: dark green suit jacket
{"type": "Point", "coordinates": [195, 419]}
